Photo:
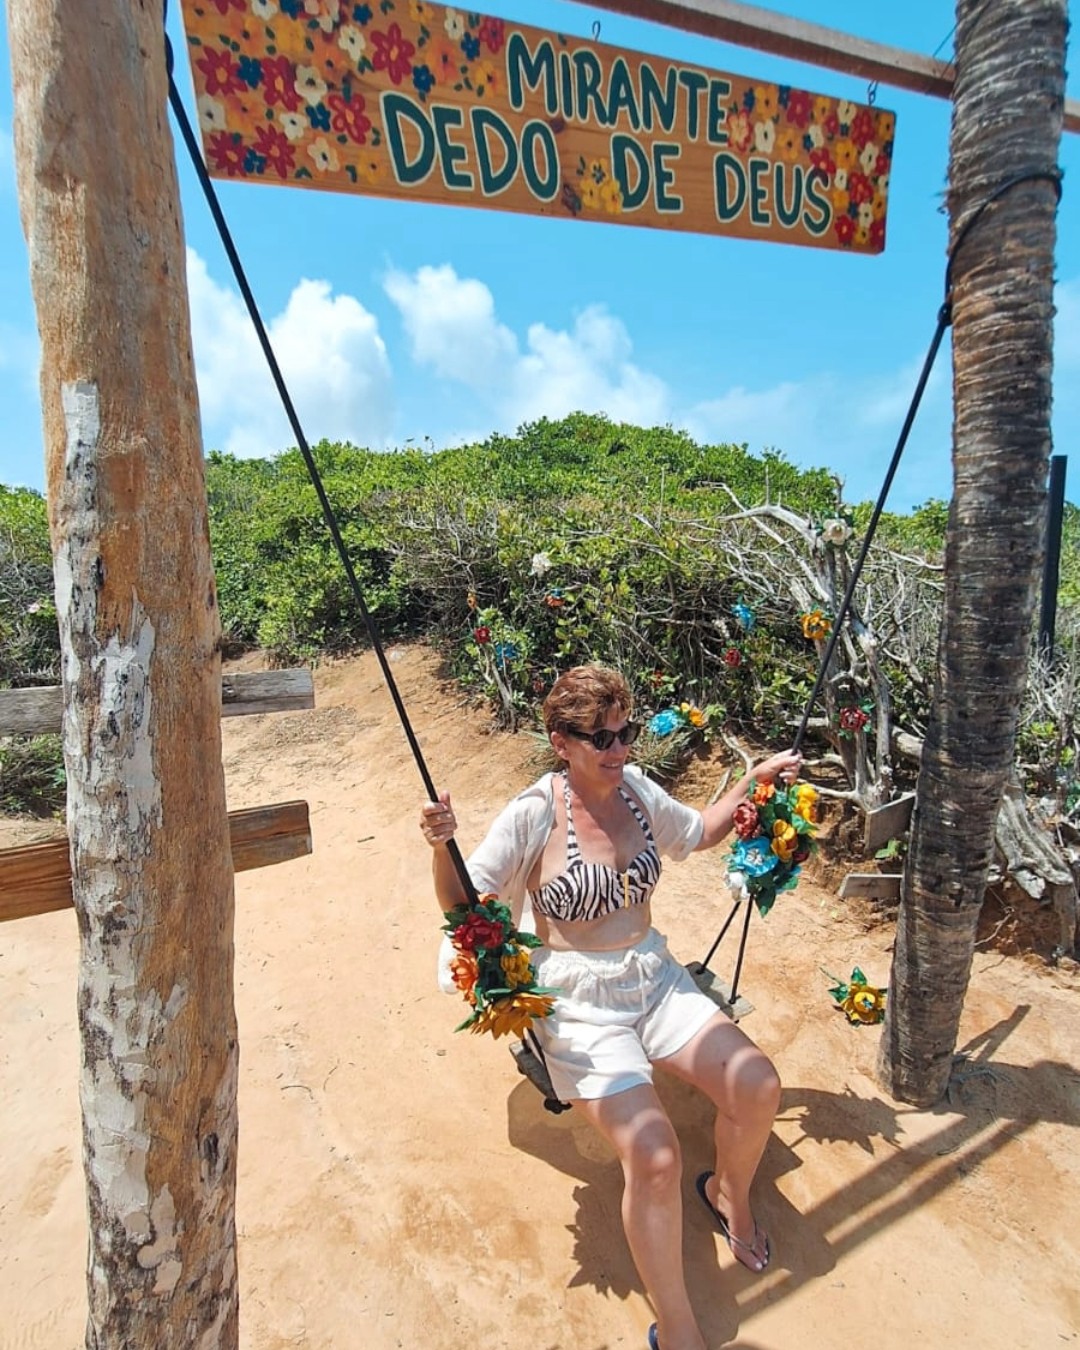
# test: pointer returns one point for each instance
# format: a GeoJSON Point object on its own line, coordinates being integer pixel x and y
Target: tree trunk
{"type": "Point", "coordinates": [140, 632]}
{"type": "Point", "coordinates": [1007, 113]}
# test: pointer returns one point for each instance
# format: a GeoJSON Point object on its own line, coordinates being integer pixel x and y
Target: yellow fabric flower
{"type": "Point", "coordinates": [512, 1015]}
{"type": "Point", "coordinates": [785, 840]}
{"type": "Point", "coordinates": [696, 717]}
{"type": "Point", "coordinates": [806, 802]}
{"type": "Point", "coordinates": [864, 1004]}
{"type": "Point", "coordinates": [517, 968]}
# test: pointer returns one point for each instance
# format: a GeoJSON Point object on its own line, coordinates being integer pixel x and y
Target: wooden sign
{"type": "Point", "coordinates": [406, 99]}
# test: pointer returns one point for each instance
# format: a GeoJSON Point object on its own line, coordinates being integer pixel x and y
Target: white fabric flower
{"type": "Point", "coordinates": [836, 532]}
{"type": "Point", "coordinates": [541, 563]}
{"type": "Point", "coordinates": [737, 885]}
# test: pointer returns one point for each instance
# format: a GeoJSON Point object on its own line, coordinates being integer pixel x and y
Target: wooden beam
{"type": "Point", "coordinates": [36, 878]}
{"type": "Point", "coordinates": [779, 35]}
{"type": "Point", "coordinates": [38, 711]}
{"type": "Point", "coordinates": [263, 691]}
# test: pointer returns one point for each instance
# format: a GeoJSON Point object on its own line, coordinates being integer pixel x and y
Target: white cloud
{"type": "Point", "coordinates": [332, 358]}
{"type": "Point", "coordinates": [452, 327]}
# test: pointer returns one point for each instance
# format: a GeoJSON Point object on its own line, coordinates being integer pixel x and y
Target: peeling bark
{"type": "Point", "coordinates": [140, 633]}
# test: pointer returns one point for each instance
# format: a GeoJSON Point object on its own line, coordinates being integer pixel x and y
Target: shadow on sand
{"type": "Point", "coordinates": [990, 1104]}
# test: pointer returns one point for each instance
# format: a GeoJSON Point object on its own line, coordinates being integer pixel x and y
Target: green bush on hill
{"type": "Point", "coordinates": [573, 540]}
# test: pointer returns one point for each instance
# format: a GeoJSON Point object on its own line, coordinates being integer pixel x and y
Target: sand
{"type": "Point", "coordinates": [400, 1186]}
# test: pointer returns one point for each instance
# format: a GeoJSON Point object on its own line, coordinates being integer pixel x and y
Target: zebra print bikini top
{"type": "Point", "coordinates": [591, 890]}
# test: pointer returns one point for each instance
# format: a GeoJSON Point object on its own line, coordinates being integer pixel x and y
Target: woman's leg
{"type": "Point", "coordinates": [638, 1128]}
{"type": "Point", "coordinates": [742, 1083]}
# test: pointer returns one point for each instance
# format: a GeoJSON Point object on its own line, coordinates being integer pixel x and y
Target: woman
{"type": "Point", "coordinates": [582, 847]}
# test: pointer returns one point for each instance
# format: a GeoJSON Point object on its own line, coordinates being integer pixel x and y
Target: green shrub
{"type": "Point", "coordinates": [32, 778]}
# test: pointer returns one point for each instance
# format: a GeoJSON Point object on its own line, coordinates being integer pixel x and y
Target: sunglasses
{"type": "Point", "coordinates": [605, 739]}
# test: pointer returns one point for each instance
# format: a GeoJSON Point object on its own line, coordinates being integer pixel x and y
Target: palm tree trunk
{"type": "Point", "coordinates": [1007, 113]}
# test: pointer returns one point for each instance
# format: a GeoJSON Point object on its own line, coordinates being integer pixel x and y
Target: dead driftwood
{"type": "Point", "coordinates": [1029, 856]}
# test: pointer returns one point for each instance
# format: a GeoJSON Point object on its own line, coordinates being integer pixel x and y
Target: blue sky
{"type": "Point", "coordinates": [404, 323]}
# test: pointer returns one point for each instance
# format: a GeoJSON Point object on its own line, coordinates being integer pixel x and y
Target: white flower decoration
{"type": "Point", "coordinates": [737, 886]}
{"type": "Point", "coordinates": [308, 85]}
{"type": "Point", "coordinates": [836, 532]}
{"type": "Point", "coordinates": [264, 9]}
{"type": "Point", "coordinates": [211, 113]}
{"type": "Point", "coordinates": [454, 25]}
{"type": "Point", "coordinates": [323, 155]}
{"type": "Point", "coordinates": [541, 563]}
{"type": "Point", "coordinates": [764, 137]}
{"type": "Point", "coordinates": [352, 42]}
{"type": "Point", "coordinates": [293, 125]}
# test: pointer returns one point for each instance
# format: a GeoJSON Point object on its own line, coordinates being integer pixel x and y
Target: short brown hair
{"type": "Point", "coordinates": [581, 699]}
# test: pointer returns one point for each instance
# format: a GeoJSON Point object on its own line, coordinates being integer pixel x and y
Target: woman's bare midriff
{"type": "Point", "coordinates": [620, 928]}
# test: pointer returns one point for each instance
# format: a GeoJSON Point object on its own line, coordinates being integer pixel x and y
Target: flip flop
{"type": "Point", "coordinates": [735, 1244]}
{"type": "Point", "coordinates": [654, 1344]}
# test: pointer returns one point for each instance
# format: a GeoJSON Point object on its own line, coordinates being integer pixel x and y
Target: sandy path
{"type": "Point", "coordinates": [403, 1187]}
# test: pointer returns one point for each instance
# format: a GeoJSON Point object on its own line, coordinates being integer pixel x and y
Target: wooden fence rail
{"type": "Point", "coordinates": [37, 712]}
{"type": "Point", "coordinates": [36, 878]}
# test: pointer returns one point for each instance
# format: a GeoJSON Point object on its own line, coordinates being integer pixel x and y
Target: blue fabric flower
{"type": "Point", "coordinates": [754, 857]}
{"type": "Point", "coordinates": [506, 651]}
{"type": "Point", "coordinates": [744, 616]}
{"type": "Point", "coordinates": [664, 723]}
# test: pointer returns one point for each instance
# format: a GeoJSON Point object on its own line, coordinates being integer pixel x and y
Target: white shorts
{"type": "Point", "coordinates": [615, 1014]}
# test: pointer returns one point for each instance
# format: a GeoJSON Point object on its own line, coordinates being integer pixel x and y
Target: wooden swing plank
{"type": "Point", "coordinates": [719, 991]}
{"type": "Point", "coordinates": [36, 878]}
{"type": "Point", "coordinates": [888, 822]}
{"type": "Point", "coordinates": [871, 886]}
{"type": "Point", "coordinates": [38, 712]}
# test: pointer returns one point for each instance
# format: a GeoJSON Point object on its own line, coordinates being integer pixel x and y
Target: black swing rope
{"type": "Point", "coordinates": [943, 321]}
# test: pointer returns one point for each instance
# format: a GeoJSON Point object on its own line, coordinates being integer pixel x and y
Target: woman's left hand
{"type": "Point", "coordinates": [785, 766]}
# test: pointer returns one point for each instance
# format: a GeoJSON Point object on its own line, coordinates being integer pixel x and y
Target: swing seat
{"type": "Point", "coordinates": [719, 991]}
{"type": "Point", "coordinates": [530, 1063]}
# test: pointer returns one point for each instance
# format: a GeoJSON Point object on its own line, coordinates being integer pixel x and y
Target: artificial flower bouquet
{"type": "Point", "coordinates": [774, 828]}
{"type": "Point", "coordinates": [493, 970]}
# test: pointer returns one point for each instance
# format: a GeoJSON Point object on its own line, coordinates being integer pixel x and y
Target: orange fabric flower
{"type": "Point", "coordinates": [464, 972]}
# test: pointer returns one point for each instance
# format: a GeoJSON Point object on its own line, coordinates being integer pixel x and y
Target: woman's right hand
{"type": "Point", "coordinates": [437, 821]}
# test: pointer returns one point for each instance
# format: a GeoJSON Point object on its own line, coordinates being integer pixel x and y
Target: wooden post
{"type": "Point", "coordinates": [137, 606]}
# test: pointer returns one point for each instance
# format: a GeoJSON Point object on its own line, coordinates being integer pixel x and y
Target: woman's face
{"type": "Point", "coordinates": [585, 762]}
